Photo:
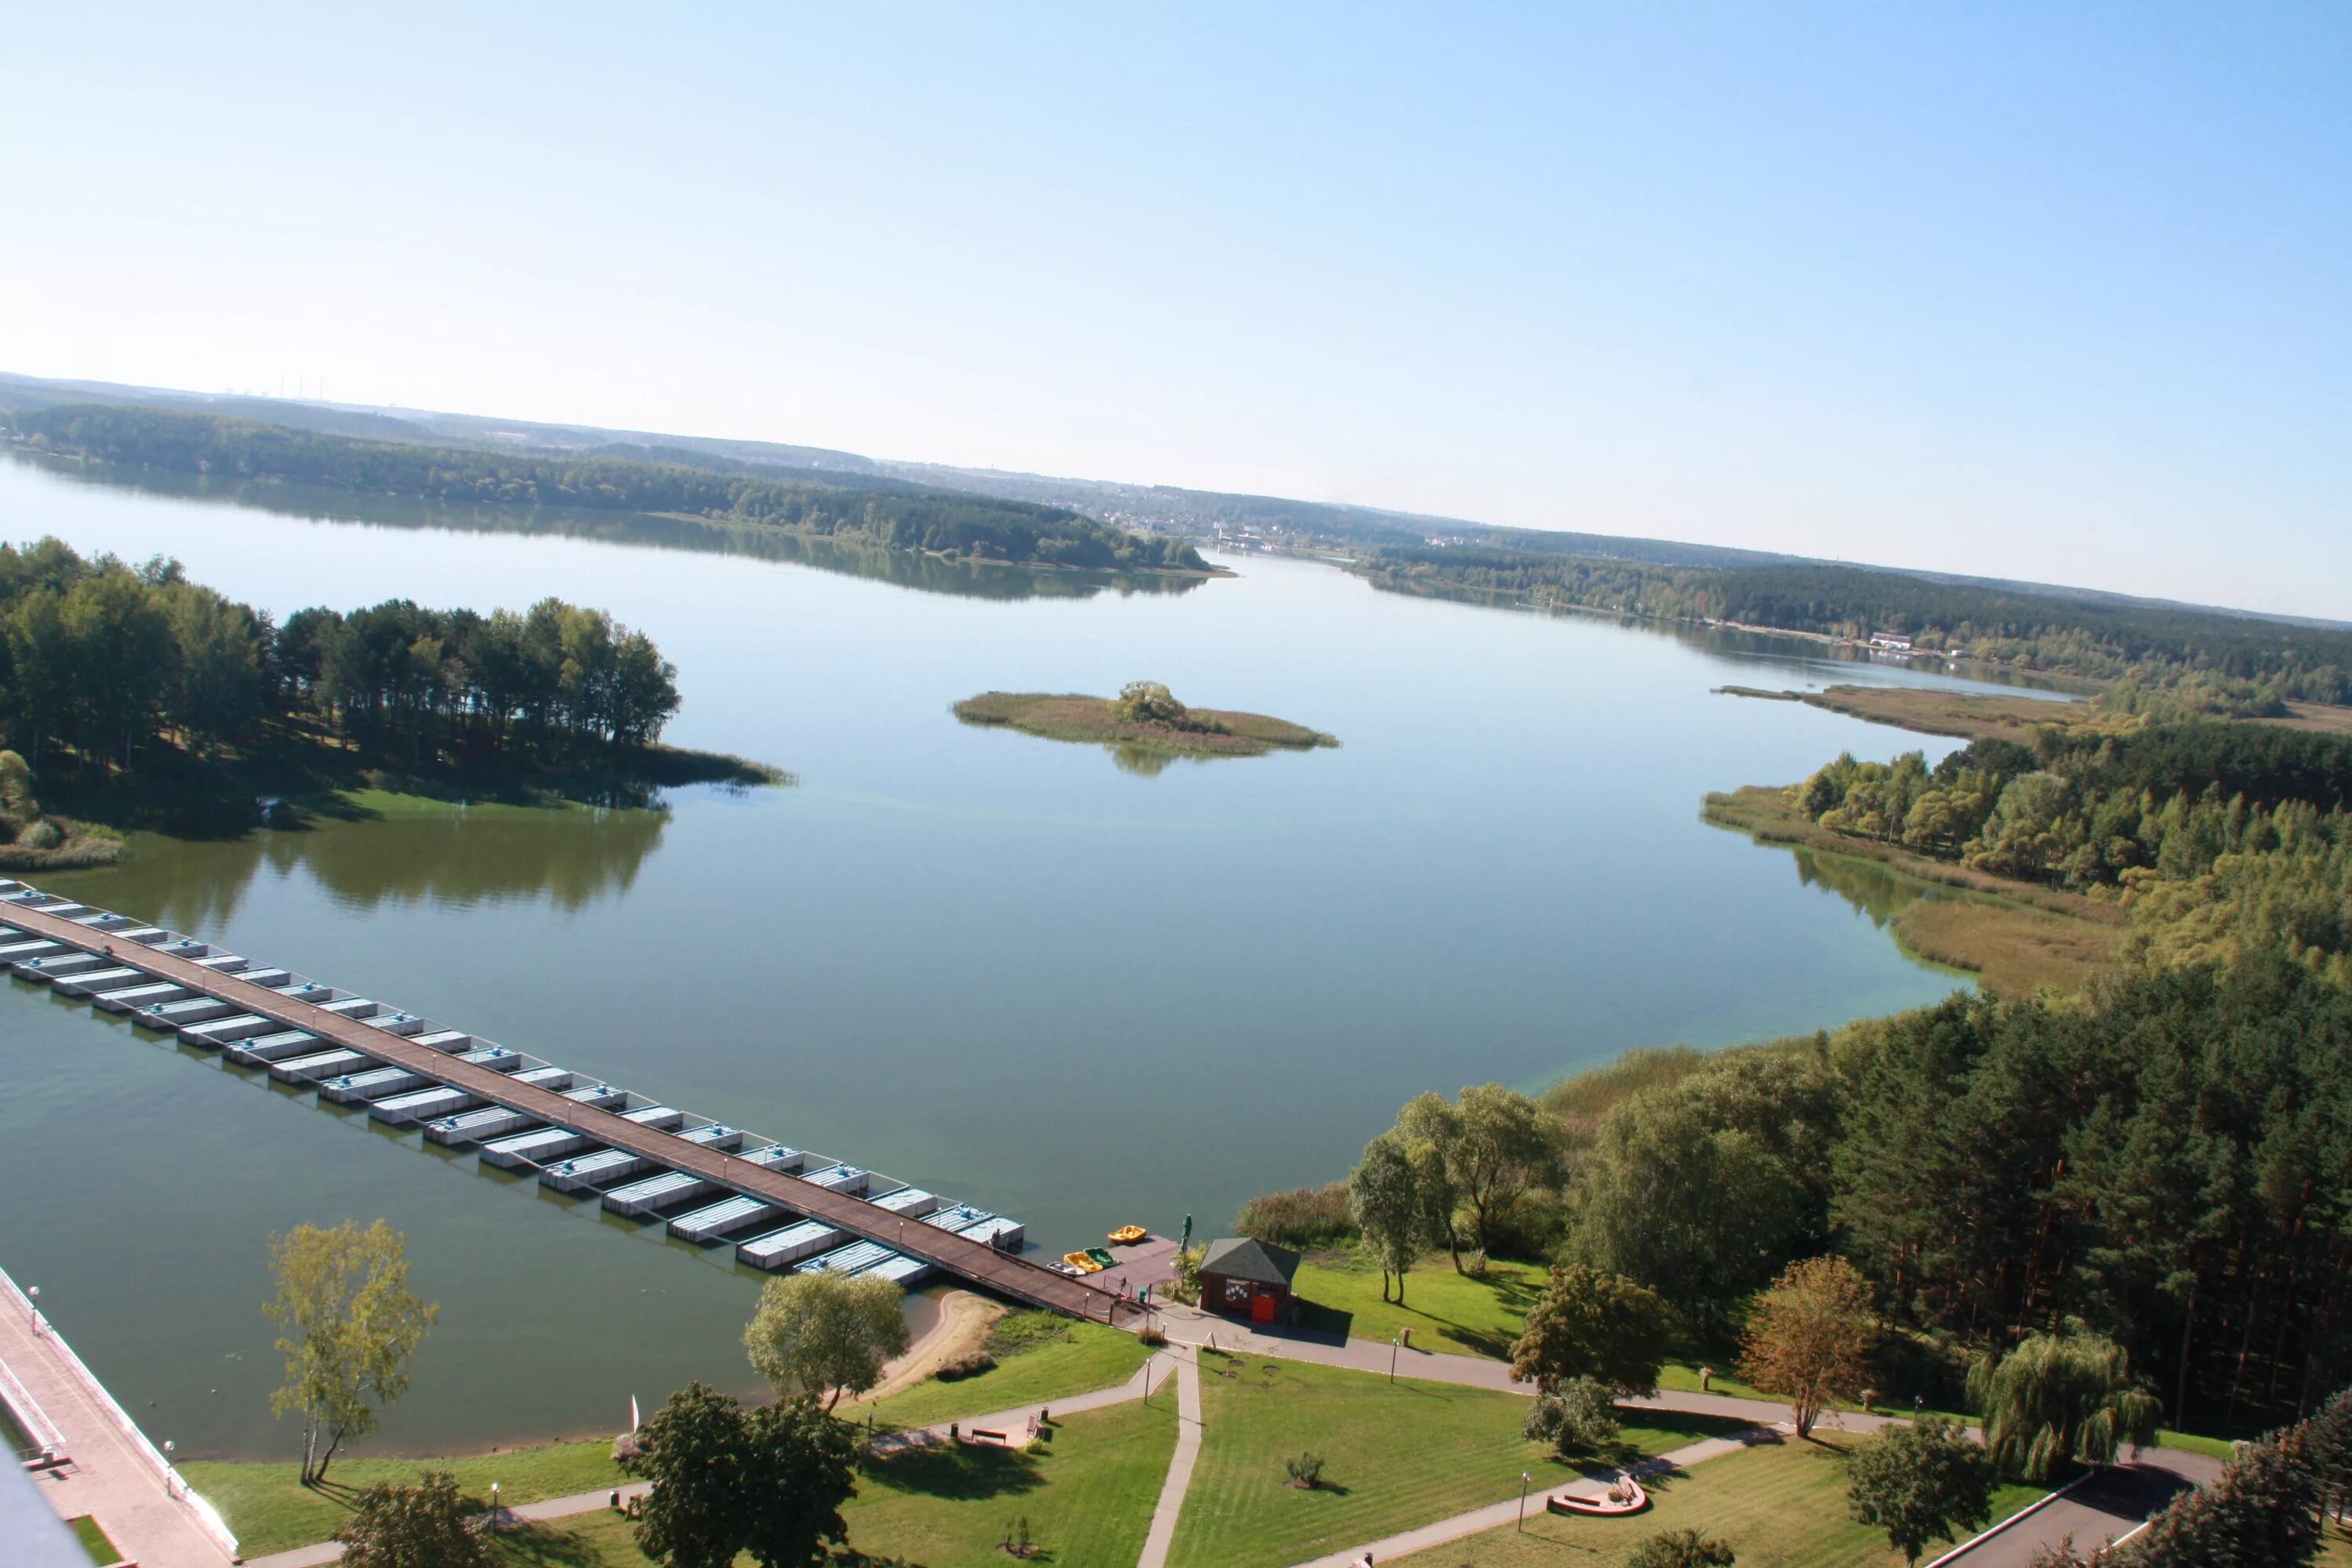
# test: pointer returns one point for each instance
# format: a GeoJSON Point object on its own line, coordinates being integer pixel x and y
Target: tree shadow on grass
{"type": "Point", "coordinates": [958, 1472]}
{"type": "Point", "coordinates": [1620, 1454]}
{"type": "Point", "coordinates": [1516, 1294]}
{"type": "Point", "coordinates": [540, 1545]}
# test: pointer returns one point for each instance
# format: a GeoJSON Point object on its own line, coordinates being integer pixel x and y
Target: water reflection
{"type": "Point", "coordinates": [1875, 890]}
{"type": "Point", "coordinates": [900, 568]}
{"type": "Point", "coordinates": [458, 860]}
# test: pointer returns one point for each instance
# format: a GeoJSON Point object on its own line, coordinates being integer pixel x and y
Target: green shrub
{"type": "Point", "coordinates": [972, 1363]}
{"type": "Point", "coordinates": [42, 835]}
{"type": "Point", "coordinates": [1681, 1548]}
{"type": "Point", "coordinates": [1306, 1470]}
{"type": "Point", "coordinates": [1018, 1331]}
{"type": "Point", "coordinates": [1302, 1217]}
{"type": "Point", "coordinates": [1581, 1418]}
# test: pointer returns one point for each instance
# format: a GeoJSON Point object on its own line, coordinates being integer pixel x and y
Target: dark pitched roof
{"type": "Point", "coordinates": [1246, 1258]}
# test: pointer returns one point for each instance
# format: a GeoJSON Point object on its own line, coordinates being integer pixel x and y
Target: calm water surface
{"type": "Point", "coordinates": [1006, 969]}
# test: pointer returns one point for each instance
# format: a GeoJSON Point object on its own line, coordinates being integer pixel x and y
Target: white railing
{"type": "Point", "coordinates": [207, 1517]}
{"type": "Point", "coordinates": [29, 1414]}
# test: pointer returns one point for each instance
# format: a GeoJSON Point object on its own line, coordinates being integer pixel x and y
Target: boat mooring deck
{"type": "Point", "coordinates": [525, 1112]}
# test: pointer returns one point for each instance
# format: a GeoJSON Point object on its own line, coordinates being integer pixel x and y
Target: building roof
{"type": "Point", "coordinates": [1246, 1258]}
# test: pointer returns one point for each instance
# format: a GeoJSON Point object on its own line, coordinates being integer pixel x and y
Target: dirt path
{"type": "Point", "coordinates": [964, 1324]}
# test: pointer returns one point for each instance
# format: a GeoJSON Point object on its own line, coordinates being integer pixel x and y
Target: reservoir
{"type": "Point", "coordinates": [1039, 978]}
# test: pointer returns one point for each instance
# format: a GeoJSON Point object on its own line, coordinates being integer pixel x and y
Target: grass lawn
{"type": "Point", "coordinates": [1088, 1496]}
{"type": "Point", "coordinates": [1779, 1506]}
{"type": "Point", "coordinates": [269, 1510]}
{"type": "Point", "coordinates": [1087, 1357]}
{"type": "Point", "coordinates": [1445, 1311]}
{"type": "Point", "coordinates": [1396, 1455]}
{"type": "Point", "coordinates": [94, 1541]}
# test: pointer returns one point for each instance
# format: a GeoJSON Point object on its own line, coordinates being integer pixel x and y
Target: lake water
{"type": "Point", "coordinates": [1006, 969]}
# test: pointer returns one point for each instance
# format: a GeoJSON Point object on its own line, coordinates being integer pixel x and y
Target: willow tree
{"type": "Point", "coordinates": [826, 1331]}
{"type": "Point", "coordinates": [351, 1324]}
{"type": "Point", "coordinates": [2057, 1399]}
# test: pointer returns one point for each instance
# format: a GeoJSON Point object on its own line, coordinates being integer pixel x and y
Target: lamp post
{"type": "Point", "coordinates": [170, 1476]}
{"type": "Point", "coordinates": [34, 1296]}
{"type": "Point", "coordinates": [1523, 1500]}
{"type": "Point", "coordinates": [494, 1505]}
{"type": "Point", "coordinates": [1393, 1343]}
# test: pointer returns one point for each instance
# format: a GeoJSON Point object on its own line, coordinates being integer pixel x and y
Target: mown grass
{"type": "Point", "coordinates": [1032, 1368]}
{"type": "Point", "coordinates": [1396, 1455]}
{"type": "Point", "coordinates": [269, 1510]}
{"type": "Point", "coordinates": [1448, 1312]}
{"type": "Point", "coordinates": [95, 1541]}
{"type": "Point", "coordinates": [1781, 1505]}
{"type": "Point", "coordinates": [1087, 1494]}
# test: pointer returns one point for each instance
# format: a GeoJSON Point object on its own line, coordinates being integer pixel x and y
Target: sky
{"type": "Point", "coordinates": [2051, 293]}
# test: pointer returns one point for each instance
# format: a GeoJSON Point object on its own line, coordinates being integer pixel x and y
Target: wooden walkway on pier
{"type": "Point", "coordinates": [1003, 1272]}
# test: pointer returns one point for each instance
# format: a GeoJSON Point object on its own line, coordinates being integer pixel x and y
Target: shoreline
{"type": "Point", "coordinates": [2012, 938]}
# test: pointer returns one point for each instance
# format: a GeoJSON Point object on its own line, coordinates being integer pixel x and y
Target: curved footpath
{"type": "Point", "coordinates": [2103, 1508]}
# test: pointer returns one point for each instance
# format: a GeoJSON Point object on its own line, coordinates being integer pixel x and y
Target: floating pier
{"type": "Point", "coordinates": [707, 1182]}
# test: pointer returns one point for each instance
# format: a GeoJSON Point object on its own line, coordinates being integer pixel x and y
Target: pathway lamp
{"type": "Point", "coordinates": [34, 1296]}
{"type": "Point", "coordinates": [1393, 1353]}
{"type": "Point", "coordinates": [170, 1476]}
{"type": "Point", "coordinates": [1524, 1478]}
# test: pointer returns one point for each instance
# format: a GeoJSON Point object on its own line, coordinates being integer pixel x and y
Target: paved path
{"type": "Point", "coordinates": [1494, 1516]}
{"type": "Point", "coordinates": [1148, 1379]}
{"type": "Point", "coordinates": [2100, 1509]}
{"type": "Point", "coordinates": [1164, 1513]}
{"type": "Point", "coordinates": [2110, 1504]}
{"type": "Point", "coordinates": [109, 1479]}
{"type": "Point", "coordinates": [1010, 1275]}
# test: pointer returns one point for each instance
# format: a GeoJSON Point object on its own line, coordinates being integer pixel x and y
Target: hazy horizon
{"type": "Point", "coordinates": [2052, 297]}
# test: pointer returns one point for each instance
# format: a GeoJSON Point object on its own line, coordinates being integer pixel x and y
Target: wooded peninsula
{"type": "Point", "coordinates": [660, 480]}
{"type": "Point", "coordinates": [2163, 661]}
{"type": "Point", "coordinates": [134, 698]}
{"type": "Point", "coordinates": [1143, 715]}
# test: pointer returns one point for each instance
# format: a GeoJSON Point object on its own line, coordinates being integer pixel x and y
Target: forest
{"type": "Point", "coordinates": [100, 662]}
{"type": "Point", "coordinates": [886, 512]}
{"type": "Point", "coordinates": [2208, 661]}
{"type": "Point", "coordinates": [2167, 1163]}
{"type": "Point", "coordinates": [2216, 837]}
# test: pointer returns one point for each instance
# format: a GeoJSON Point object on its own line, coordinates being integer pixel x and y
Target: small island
{"type": "Point", "coordinates": [1145, 717]}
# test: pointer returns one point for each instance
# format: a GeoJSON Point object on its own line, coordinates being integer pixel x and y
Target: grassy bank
{"type": "Point", "coordinates": [1087, 1493]}
{"type": "Point", "coordinates": [270, 1510]}
{"type": "Point", "coordinates": [1040, 1360]}
{"type": "Point", "coordinates": [317, 776]}
{"type": "Point", "coordinates": [2017, 937]}
{"type": "Point", "coordinates": [80, 845]}
{"type": "Point", "coordinates": [1201, 733]}
{"type": "Point", "coordinates": [1396, 1455]}
{"type": "Point", "coordinates": [1782, 1505]}
{"type": "Point", "coordinates": [1447, 1312]}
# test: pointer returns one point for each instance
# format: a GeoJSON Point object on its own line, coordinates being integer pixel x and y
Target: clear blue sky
{"type": "Point", "coordinates": [2053, 292]}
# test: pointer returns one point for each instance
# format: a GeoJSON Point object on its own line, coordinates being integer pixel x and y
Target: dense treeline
{"type": "Point", "coordinates": [887, 512]}
{"type": "Point", "coordinates": [2168, 1164]}
{"type": "Point", "coordinates": [98, 657]}
{"type": "Point", "coordinates": [2217, 836]}
{"type": "Point", "coordinates": [2226, 663]}
{"type": "Point", "coordinates": [2172, 1165]}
